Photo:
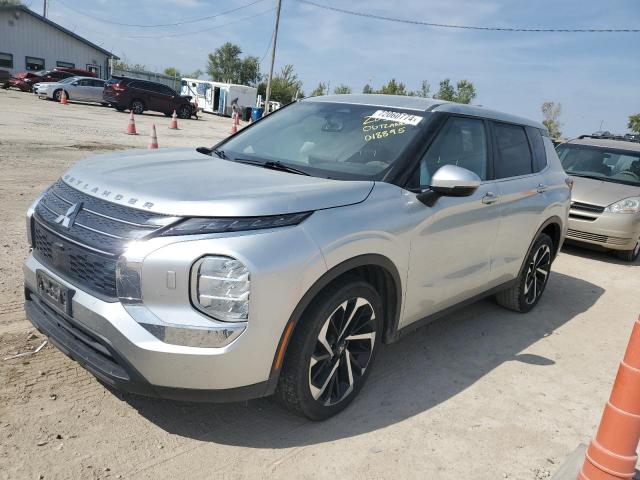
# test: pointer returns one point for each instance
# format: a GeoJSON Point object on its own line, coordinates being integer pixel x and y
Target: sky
{"type": "Point", "coordinates": [594, 76]}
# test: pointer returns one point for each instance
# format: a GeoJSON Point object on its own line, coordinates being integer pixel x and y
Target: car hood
{"type": "Point", "coordinates": [183, 182]}
{"type": "Point", "coordinates": [597, 192]}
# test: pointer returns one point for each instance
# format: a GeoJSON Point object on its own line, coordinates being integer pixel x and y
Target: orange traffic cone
{"type": "Point", "coordinates": [174, 122]}
{"type": "Point", "coordinates": [611, 455]}
{"type": "Point", "coordinates": [131, 128]}
{"type": "Point", "coordinates": [63, 98]}
{"type": "Point", "coordinates": [234, 127]}
{"type": "Point", "coordinates": [153, 139]}
{"type": "Point", "coordinates": [237, 118]}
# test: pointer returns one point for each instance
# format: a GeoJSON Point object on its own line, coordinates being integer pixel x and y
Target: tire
{"type": "Point", "coordinates": [324, 371]}
{"type": "Point", "coordinates": [137, 107]}
{"type": "Point", "coordinates": [532, 280]}
{"type": "Point", "coordinates": [58, 94]}
{"type": "Point", "coordinates": [184, 112]}
{"type": "Point", "coordinates": [629, 255]}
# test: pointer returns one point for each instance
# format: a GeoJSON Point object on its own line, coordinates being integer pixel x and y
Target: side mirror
{"type": "Point", "coordinates": [75, 84]}
{"type": "Point", "coordinates": [451, 181]}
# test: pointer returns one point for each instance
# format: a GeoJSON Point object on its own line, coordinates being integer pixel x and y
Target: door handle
{"type": "Point", "coordinates": [489, 198]}
{"type": "Point", "coordinates": [541, 188]}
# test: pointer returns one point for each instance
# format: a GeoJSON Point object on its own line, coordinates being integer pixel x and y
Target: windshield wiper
{"type": "Point", "coordinates": [221, 154]}
{"type": "Point", "coordinates": [593, 177]}
{"type": "Point", "coordinates": [272, 165]}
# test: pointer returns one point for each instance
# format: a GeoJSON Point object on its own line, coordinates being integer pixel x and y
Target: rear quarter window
{"type": "Point", "coordinates": [537, 148]}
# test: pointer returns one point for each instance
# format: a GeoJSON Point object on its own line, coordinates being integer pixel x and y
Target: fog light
{"type": "Point", "coordinates": [220, 288]}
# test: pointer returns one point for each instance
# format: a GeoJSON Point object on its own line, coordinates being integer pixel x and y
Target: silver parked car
{"type": "Point", "coordinates": [605, 207]}
{"type": "Point", "coordinates": [83, 89]}
{"type": "Point", "coordinates": [281, 259]}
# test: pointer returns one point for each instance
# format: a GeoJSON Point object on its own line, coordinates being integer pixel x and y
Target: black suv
{"type": "Point", "coordinates": [141, 95]}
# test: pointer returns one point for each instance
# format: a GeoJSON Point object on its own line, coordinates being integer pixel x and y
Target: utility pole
{"type": "Point", "coordinates": [273, 58]}
{"type": "Point", "coordinates": [45, 8]}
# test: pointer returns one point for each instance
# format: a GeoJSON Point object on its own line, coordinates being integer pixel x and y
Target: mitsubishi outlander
{"type": "Point", "coordinates": [279, 260]}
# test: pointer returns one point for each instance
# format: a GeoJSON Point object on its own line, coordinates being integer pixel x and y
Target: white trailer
{"type": "Point", "coordinates": [218, 97]}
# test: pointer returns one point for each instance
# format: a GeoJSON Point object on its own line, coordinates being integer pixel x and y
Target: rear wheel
{"type": "Point", "coordinates": [332, 350]}
{"type": "Point", "coordinates": [533, 279]}
{"type": "Point", "coordinates": [184, 111]}
{"type": "Point", "coordinates": [137, 107]}
{"type": "Point", "coordinates": [629, 255]}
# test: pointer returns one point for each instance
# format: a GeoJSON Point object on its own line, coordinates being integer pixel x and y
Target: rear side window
{"type": "Point", "coordinates": [513, 155]}
{"type": "Point", "coordinates": [537, 147]}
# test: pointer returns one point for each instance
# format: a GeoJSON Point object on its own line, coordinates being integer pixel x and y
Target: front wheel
{"type": "Point", "coordinates": [58, 95]}
{"type": "Point", "coordinates": [533, 279]}
{"type": "Point", "coordinates": [332, 350]}
{"type": "Point", "coordinates": [629, 255]}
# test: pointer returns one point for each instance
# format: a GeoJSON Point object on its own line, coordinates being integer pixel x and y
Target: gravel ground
{"type": "Point", "coordinates": [481, 394]}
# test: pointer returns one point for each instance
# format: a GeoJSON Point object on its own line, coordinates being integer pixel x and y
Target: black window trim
{"type": "Point", "coordinates": [67, 64]}
{"type": "Point", "coordinates": [497, 153]}
{"type": "Point", "coordinates": [26, 63]}
{"type": "Point", "coordinates": [98, 73]}
{"type": "Point", "coordinates": [11, 60]}
{"type": "Point", "coordinates": [538, 167]}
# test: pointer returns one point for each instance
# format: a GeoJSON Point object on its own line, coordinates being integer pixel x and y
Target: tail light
{"type": "Point", "coordinates": [117, 87]}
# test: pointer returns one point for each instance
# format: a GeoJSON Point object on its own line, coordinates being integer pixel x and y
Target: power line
{"type": "Point", "coordinates": [471, 27]}
{"type": "Point", "coordinates": [215, 27]}
{"type": "Point", "coordinates": [193, 20]}
{"type": "Point", "coordinates": [267, 50]}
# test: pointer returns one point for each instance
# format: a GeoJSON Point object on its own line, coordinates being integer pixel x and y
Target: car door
{"type": "Point", "coordinates": [452, 244]}
{"type": "Point", "coordinates": [94, 90]}
{"type": "Point", "coordinates": [521, 190]}
{"type": "Point", "coordinates": [79, 90]}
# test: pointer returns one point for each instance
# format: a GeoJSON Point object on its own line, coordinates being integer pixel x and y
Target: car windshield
{"type": "Point", "coordinates": [608, 164]}
{"type": "Point", "coordinates": [332, 140]}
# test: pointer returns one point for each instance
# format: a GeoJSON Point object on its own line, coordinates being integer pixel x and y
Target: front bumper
{"type": "Point", "coordinates": [155, 365]}
{"type": "Point", "coordinates": [614, 231]}
{"type": "Point", "coordinates": [21, 84]}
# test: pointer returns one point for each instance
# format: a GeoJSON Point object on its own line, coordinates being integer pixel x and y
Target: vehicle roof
{"type": "Point", "coordinates": [425, 105]}
{"type": "Point", "coordinates": [607, 143]}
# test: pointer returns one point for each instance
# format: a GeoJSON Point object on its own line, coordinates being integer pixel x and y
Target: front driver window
{"type": "Point", "coordinates": [462, 142]}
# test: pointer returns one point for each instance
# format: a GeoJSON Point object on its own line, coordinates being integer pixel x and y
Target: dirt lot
{"type": "Point", "coordinates": [482, 394]}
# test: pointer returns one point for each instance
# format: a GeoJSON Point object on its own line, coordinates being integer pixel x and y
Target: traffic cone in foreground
{"type": "Point", "coordinates": [153, 139]}
{"type": "Point", "coordinates": [63, 98]}
{"type": "Point", "coordinates": [611, 455]}
{"type": "Point", "coordinates": [234, 127]}
{"type": "Point", "coordinates": [174, 122]}
{"type": "Point", "coordinates": [131, 128]}
{"type": "Point", "coordinates": [237, 118]}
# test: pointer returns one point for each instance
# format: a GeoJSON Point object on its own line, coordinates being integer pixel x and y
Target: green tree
{"type": "Point", "coordinates": [124, 64]}
{"type": "Point", "coordinates": [172, 72]}
{"type": "Point", "coordinates": [225, 65]}
{"type": "Point", "coordinates": [285, 86]}
{"type": "Point", "coordinates": [465, 92]}
{"type": "Point", "coordinates": [367, 89]}
{"type": "Point", "coordinates": [446, 91]}
{"type": "Point", "coordinates": [425, 88]}
{"type": "Point", "coordinates": [393, 88]}
{"type": "Point", "coordinates": [551, 118]}
{"type": "Point", "coordinates": [320, 90]}
{"type": "Point", "coordinates": [342, 89]}
{"type": "Point", "coordinates": [634, 123]}
{"type": "Point", "coordinates": [197, 73]}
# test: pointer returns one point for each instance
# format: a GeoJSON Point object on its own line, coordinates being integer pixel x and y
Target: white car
{"type": "Point", "coordinates": [85, 89]}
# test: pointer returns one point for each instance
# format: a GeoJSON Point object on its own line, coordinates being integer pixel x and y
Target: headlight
{"type": "Point", "coordinates": [628, 205]}
{"type": "Point", "coordinates": [194, 226]}
{"type": "Point", "coordinates": [220, 288]}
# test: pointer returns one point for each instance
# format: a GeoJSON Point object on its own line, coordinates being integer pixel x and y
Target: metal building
{"type": "Point", "coordinates": [31, 42]}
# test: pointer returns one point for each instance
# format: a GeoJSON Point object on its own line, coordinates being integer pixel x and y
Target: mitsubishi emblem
{"type": "Point", "coordinates": [69, 217]}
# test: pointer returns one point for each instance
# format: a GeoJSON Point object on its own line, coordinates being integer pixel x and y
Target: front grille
{"type": "Point", "coordinates": [86, 252]}
{"type": "Point", "coordinates": [587, 207]}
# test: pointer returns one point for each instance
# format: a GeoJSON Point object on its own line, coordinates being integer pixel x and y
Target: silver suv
{"type": "Point", "coordinates": [281, 259]}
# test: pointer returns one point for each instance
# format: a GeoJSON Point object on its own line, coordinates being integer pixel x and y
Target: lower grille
{"type": "Point", "coordinates": [587, 236]}
{"type": "Point", "coordinates": [95, 272]}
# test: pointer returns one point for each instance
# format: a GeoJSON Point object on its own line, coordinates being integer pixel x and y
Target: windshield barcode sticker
{"type": "Point", "coordinates": [400, 117]}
